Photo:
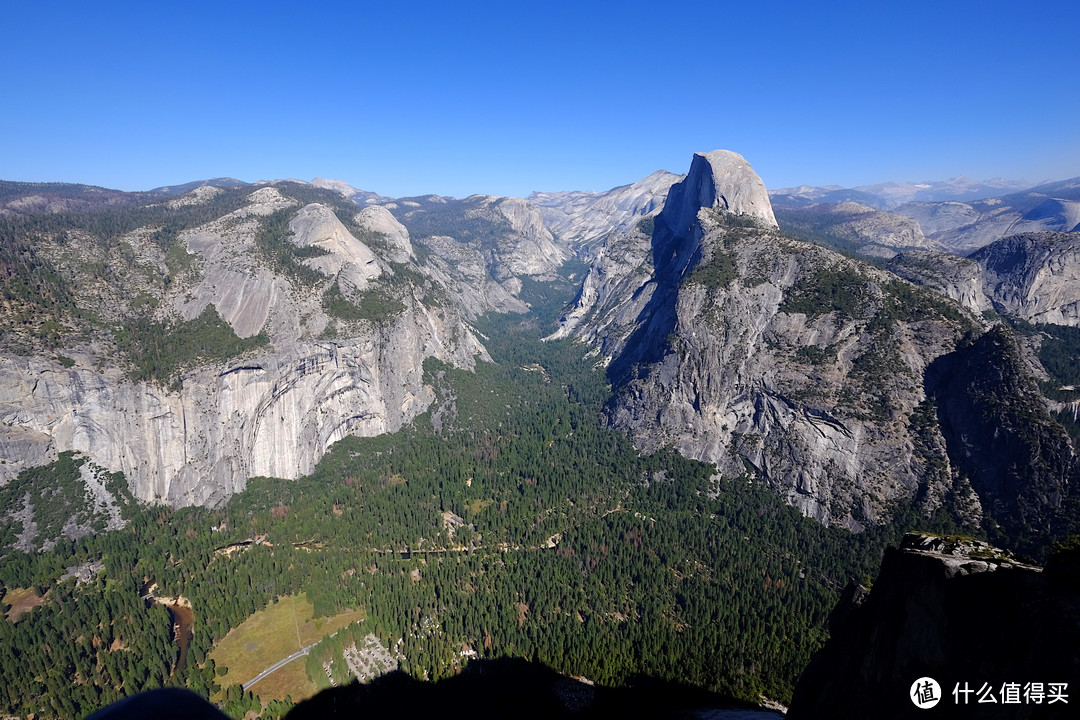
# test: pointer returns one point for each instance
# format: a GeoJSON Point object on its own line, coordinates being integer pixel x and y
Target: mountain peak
{"type": "Point", "coordinates": [721, 180]}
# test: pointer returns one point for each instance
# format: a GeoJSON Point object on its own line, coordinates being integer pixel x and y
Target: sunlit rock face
{"type": "Point", "coordinates": [789, 364]}
{"type": "Point", "coordinates": [273, 411]}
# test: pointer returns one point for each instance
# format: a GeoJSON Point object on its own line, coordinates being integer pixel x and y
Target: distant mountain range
{"type": "Point", "coordinates": [890, 195]}
{"type": "Point", "coordinates": [958, 216]}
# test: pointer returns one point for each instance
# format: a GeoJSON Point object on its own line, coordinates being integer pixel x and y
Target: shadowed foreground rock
{"type": "Point", "coordinates": [961, 612]}
{"type": "Point", "coordinates": [502, 688]}
{"type": "Point", "coordinates": [507, 688]}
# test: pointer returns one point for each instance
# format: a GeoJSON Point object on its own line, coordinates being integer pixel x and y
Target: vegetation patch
{"type": "Point", "coordinates": [58, 496]}
{"type": "Point", "coordinates": [160, 352]}
{"type": "Point", "coordinates": [904, 302]}
{"type": "Point", "coordinates": [827, 290]}
{"type": "Point", "coordinates": [273, 243]}
{"type": "Point", "coordinates": [816, 355]}
{"type": "Point", "coordinates": [719, 272]}
{"type": "Point", "coordinates": [374, 305]}
{"type": "Point", "coordinates": [20, 601]}
{"type": "Point", "coordinates": [273, 634]}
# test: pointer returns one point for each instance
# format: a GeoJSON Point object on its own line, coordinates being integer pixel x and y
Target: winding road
{"type": "Point", "coordinates": [280, 664]}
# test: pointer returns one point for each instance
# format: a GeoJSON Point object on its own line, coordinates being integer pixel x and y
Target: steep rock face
{"type": "Point", "coordinates": [346, 257]}
{"type": "Point", "coordinates": [814, 401]}
{"type": "Point", "coordinates": [378, 219]}
{"type": "Point", "coordinates": [618, 286]}
{"type": "Point", "coordinates": [508, 232]}
{"type": "Point", "coordinates": [961, 612]}
{"type": "Point", "coordinates": [1034, 276]}
{"type": "Point", "coordinates": [958, 278]}
{"type": "Point", "coordinates": [273, 414]}
{"type": "Point", "coordinates": [880, 228]}
{"type": "Point", "coordinates": [583, 218]}
{"type": "Point", "coordinates": [530, 249]}
{"type": "Point", "coordinates": [272, 411]}
{"type": "Point", "coordinates": [720, 180]}
{"type": "Point", "coordinates": [1000, 436]}
{"type": "Point", "coordinates": [742, 347]}
{"type": "Point", "coordinates": [241, 289]}
{"type": "Point", "coordinates": [463, 271]}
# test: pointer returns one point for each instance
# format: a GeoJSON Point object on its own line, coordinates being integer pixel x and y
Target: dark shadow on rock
{"type": "Point", "coordinates": [1000, 436]}
{"type": "Point", "coordinates": [506, 688]}
{"type": "Point", "coordinates": [675, 253]}
{"type": "Point", "coordinates": [161, 704]}
{"type": "Point", "coordinates": [960, 620]}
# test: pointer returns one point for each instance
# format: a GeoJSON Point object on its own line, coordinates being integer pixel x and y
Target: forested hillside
{"type": "Point", "coordinates": [571, 550]}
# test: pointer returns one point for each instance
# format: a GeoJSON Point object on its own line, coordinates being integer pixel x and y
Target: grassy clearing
{"type": "Point", "coordinates": [22, 601]}
{"type": "Point", "coordinates": [291, 681]}
{"type": "Point", "coordinates": [271, 635]}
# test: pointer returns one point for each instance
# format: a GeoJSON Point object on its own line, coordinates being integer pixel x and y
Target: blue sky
{"type": "Point", "coordinates": [506, 98]}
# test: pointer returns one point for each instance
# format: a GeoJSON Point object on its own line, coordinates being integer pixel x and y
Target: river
{"type": "Point", "coordinates": [183, 620]}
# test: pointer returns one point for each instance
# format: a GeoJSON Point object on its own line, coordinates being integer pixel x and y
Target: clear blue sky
{"type": "Point", "coordinates": [505, 98]}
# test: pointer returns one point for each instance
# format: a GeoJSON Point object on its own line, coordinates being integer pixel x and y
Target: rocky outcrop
{"type": "Point", "coordinates": [814, 401]}
{"type": "Point", "coordinates": [462, 271]}
{"type": "Point", "coordinates": [1000, 436]}
{"type": "Point", "coordinates": [378, 219]}
{"type": "Point", "coordinates": [719, 180]}
{"type": "Point", "coordinates": [767, 356]}
{"type": "Point", "coordinates": [273, 411]}
{"type": "Point", "coordinates": [584, 218]}
{"type": "Point", "coordinates": [273, 414]}
{"type": "Point", "coordinates": [529, 248]}
{"type": "Point", "coordinates": [843, 387]}
{"type": "Point", "coordinates": [866, 230]}
{"type": "Point", "coordinates": [1034, 276]}
{"type": "Point", "coordinates": [508, 232]}
{"type": "Point", "coordinates": [345, 258]}
{"type": "Point", "coordinates": [961, 612]}
{"type": "Point", "coordinates": [360, 197]}
{"type": "Point", "coordinates": [242, 289]}
{"type": "Point", "coordinates": [955, 277]}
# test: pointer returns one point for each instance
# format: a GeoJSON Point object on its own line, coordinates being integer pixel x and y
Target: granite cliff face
{"type": "Point", "coordinates": [959, 611]}
{"type": "Point", "coordinates": [720, 180]}
{"type": "Point", "coordinates": [582, 219]}
{"type": "Point", "coordinates": [794, 365]}
{"type": "Point", "coordinates": [272, 414]}
{"type": "Point", "coordinates": [322, 370]}
{"type": "Point", "coordinates": [509, 233]}
{"type": "Point", "coordinates": [826, 378]}
{"type": "Point", "coordinates": [957, 278]}
{"type": "Point", "coordinates": [719, 341]}
{"type": "Point", "coordinates": [1032, 276]}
